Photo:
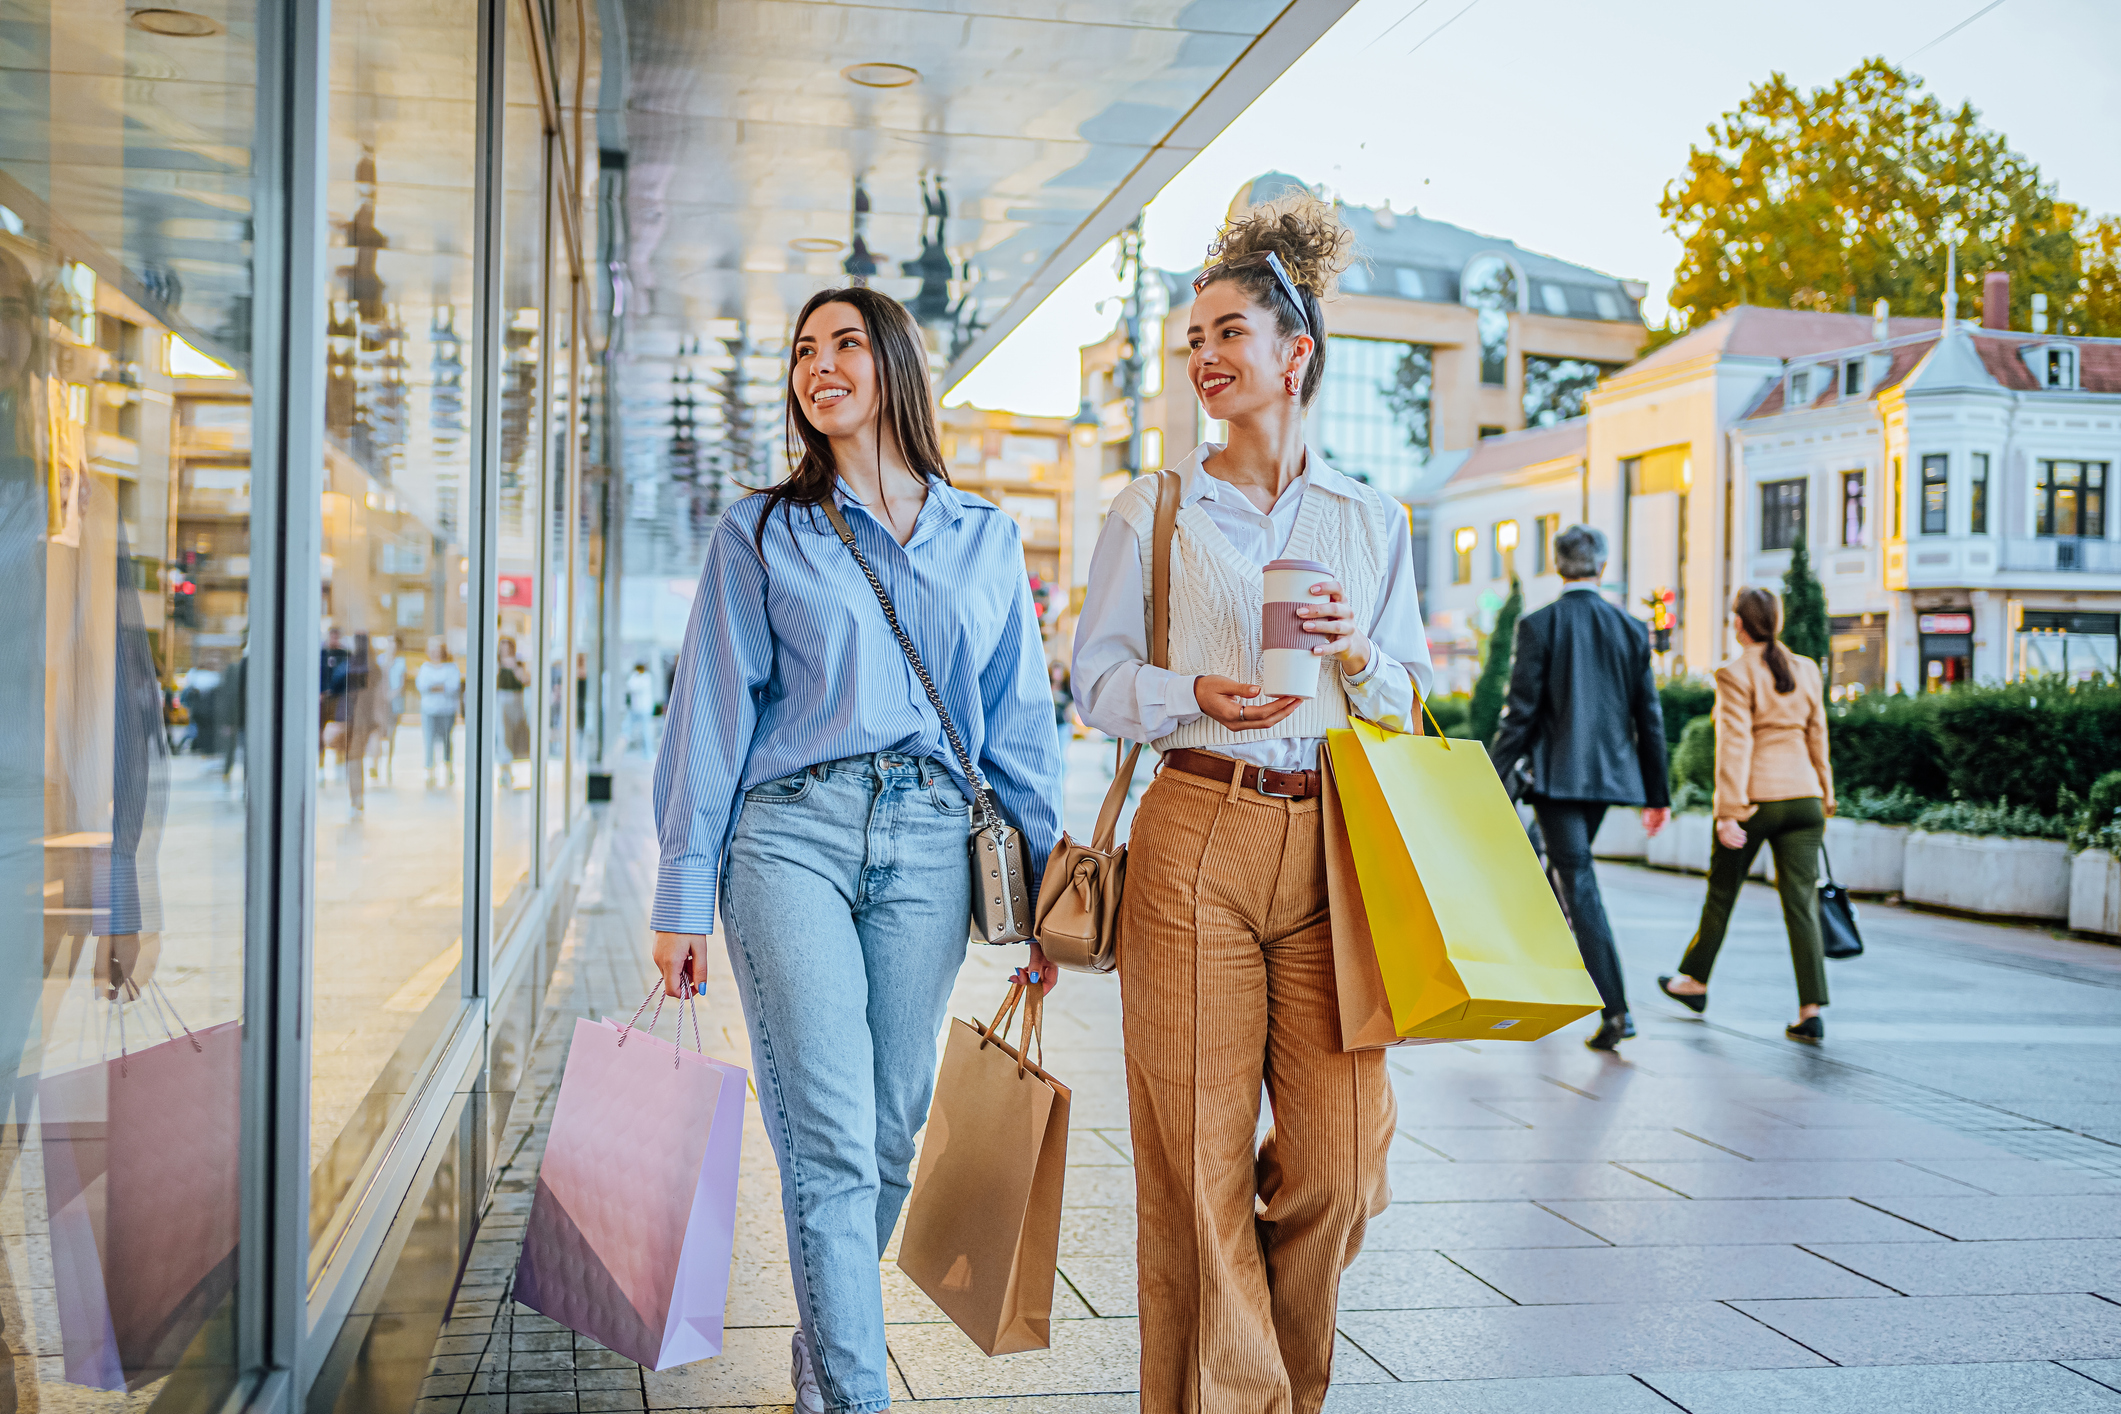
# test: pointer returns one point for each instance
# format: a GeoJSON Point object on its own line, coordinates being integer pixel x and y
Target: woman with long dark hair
{"type": "Point", "coordinates": [805, 784]}
{"type": "Point", "coordinates": [1226, 945]}
{"type": "Point", "coordinates": [1774, 786]}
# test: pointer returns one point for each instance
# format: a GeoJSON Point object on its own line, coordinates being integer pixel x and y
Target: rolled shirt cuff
{"type": "Point", "coordinates": [684, 900]}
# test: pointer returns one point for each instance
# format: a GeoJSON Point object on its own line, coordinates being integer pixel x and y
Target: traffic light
{"type": "Point", "coordinates": [184, 604]}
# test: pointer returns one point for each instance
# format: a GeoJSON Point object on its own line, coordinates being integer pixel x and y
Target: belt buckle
{"type": "Point", "coordinates": [1261, 788]}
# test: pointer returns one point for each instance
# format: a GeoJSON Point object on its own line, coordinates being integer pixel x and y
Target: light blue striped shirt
{"type": "Point", "coordinates": [789, 662]}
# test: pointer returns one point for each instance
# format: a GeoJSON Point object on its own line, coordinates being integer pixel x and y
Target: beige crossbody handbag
{"type": "Point", "coordinates": [1001, 879]}
{"type": "Point", "coordinates": [1078, 902]}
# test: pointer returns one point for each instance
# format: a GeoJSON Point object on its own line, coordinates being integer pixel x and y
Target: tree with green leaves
{"type": "Point", "coordinates": [1493, 685]}
{"type": "Point", "coordinates": [1832, 199]}
{"type": "Point", "coordinates": [1804, 624]}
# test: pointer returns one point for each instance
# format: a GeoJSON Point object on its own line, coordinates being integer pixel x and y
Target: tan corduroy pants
{"type": "Point", "coordinates": [1226, 979]}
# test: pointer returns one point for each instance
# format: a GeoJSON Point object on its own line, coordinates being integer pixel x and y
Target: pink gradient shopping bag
{"type": "Point", "coordinates": [141, 1193]}
{"type": "Point", "coordinates": [630, 1232]}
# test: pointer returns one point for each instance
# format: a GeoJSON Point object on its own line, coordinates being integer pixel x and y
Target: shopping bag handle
{"type": "Point", "coordinates": [1032, 999]}
{"type": "Point", "coordinates": [656, 994]}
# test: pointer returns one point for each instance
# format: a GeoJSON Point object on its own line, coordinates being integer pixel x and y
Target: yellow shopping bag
{"type": "Point", "coordinates": [1469, 941]}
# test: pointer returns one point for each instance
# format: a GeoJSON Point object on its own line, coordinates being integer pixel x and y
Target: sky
{"type": "Point", "coordinates": [1556, 124]}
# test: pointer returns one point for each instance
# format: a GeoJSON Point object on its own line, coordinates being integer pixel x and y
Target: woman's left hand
{"type": "Point", "coordinates": [1038, 971]}
{"type": "Point", "coordinates": [1335, 620]}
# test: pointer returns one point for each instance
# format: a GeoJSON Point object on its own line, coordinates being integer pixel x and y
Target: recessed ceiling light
{"type": "Point", "coordinates": [877, 75]}
{"type": "Point", "coordinates": [816, 245]}
{"type": "Point", "coordinates": [178, 24]}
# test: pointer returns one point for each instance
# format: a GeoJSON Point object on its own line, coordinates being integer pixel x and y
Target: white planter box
{"type": "Point", "coordinates": [2095, 892]}
{"type": "Point", "coordinates": [2010, 878]}
{"type": "Point", "coordinates": [1685, 842]}
{"type": "Point", "coordinates": [1869, 858]}
{"type": "Point", "coordinates": [1620, 834]}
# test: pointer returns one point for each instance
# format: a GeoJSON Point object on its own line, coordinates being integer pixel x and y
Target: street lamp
{"type": "Point", "coordinates": [1083, 427]}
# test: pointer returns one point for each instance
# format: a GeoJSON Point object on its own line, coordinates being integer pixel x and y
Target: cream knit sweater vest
{"type": "Point", "coordinates": [1217, 596]}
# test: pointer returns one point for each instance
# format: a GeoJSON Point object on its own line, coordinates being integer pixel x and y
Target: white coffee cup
{"type": "Point", "coordinates": [1287, 666]}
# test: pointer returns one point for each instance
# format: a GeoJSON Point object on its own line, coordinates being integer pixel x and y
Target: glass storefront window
{"type": "Point", "coordinates": [558, 665]}
{"type": "Point", "coordinates": [524, 344]}
{"type": "Point", "coordinates": [125, 422]}
{"type": "Point", "coordinates": [389, 911]}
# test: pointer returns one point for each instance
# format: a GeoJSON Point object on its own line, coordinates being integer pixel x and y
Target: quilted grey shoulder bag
{"type": "Point", "coordinates": [1001, 883]}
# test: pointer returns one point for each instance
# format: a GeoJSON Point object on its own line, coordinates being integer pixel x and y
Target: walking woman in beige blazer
{"type": "Point", "coordinates": [1226, 947]}
{"type": "Point", "coordinates": [1774, 784]}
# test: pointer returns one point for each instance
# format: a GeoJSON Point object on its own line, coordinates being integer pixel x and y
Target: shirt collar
{"type": "Point", "coordinates": [941, 509]}
{"type": "Point", "coordinates": [1195, 482]}
{"type": "Point", "coordinates": [1587, 588]}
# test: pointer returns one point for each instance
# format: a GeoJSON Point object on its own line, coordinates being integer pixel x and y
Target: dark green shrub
{"type": "Point", "coordinates": [1493, 686]}
{"type": "Point", "coordinates": [1694, 762]}
{"type": "Point", "coordinates": [2027, 741]}
{"type": "Point", "coordinates": [2098, 820]}
{"type": "Point", "coordinates": [1805, 629]}
{"type": "Point", "coordinates": [1898, 806]}
{"type": "Point", "coordinates": [1450, 713]}
{"type": "Point", "coordinates": [1887, 741]}
{"type": "Point", "coordinates": [1684, 699]}
{"type": "Point", "coordinates": [1966, 817]}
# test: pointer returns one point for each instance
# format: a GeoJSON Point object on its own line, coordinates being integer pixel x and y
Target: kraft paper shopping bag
{"type": "Point", "coordinates": [142, 1194]}
{"type": "Point", "coordinates": [631, 1229]}
{"type": "Point", "coordinates": [982, 1231]}
{"type": "Point", "coordinates": [1468, 939]}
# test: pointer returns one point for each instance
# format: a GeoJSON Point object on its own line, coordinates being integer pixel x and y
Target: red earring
{"type": "Point", "coordinates": [1289, 382]}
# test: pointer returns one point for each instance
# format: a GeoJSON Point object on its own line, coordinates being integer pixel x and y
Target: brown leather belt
{"type": "Point", "coordinates": [1293, 785]}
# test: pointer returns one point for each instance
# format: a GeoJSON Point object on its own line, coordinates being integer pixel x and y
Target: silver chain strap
{"type": "Point", "coordinates": [982, 803]}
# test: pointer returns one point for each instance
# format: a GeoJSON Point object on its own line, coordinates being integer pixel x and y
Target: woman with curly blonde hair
{"type": "Point", "coordinates": [1226, 949]}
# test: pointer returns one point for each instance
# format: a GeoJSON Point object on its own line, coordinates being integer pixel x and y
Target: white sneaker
{"type": "Point", "coordinates": [803, 1375]}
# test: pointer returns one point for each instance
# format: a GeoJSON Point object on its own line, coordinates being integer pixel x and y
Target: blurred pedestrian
{"type": "Point", "coordinates": [1583, 707]}
{"type": "Point", "coordinates": [1774, 785]}
{"type": "Point", "coordinates": [198, 694]}
{"type": "Point", "coordinates": [640, 709]}
{"type": "Point", "coordinates": [510, 679]}
{"type": "Point", "coordinates": [440, 683]}
{"type": "Point", "coordinates": [359, 717]}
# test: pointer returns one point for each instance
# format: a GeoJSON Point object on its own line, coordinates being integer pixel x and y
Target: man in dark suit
{"type": "Point", "coordinates": [1583, 706]}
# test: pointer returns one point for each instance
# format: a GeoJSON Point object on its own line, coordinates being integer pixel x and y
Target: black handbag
{"type": "Point", "coordinates": [1837, 916]}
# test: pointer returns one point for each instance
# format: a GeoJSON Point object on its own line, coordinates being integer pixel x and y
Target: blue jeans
{"type": "Point", "coordinates": [847, 898]}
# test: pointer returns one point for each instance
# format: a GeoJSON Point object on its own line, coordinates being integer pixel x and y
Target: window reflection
{"type": "Point", "coordinates": [124, 570]}
{"type": "Point", "coordinates": [1490, 287]}
{"type": "Point", "coordinates": [1556, 389]}
{"type": "Point", "coordinates": [1372, 417]}
{"type": "Point", "coordinates": [396, 481]}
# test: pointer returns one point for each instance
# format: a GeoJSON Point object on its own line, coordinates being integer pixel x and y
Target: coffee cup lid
{"type": "Point", "coordinates": [1311, 565]}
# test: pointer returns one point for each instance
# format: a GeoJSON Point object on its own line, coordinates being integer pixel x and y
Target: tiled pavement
{"type": "Point", "coordinates": [1923, 1217]}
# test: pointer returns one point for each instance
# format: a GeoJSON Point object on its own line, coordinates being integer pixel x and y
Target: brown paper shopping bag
{"type": "Point", "coordinates": [983, 1224]}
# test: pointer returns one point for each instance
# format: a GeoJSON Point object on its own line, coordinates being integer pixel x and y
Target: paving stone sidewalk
{"type": "Point", "coordinates": [1922, 1216]}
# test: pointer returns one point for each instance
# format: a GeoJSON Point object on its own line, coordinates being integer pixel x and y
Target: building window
{"type": "Point", "coordinates": [1936, 492]}
{"type": "Point", "coordinates": [1503, 551]}
{"type": "Point", "coordinates": [1896, 501]}
{"type": "Point", "coordinates": [1488, 431]}
{"type": "Point", "coordinates": [1372, 416]}
{"type": "Point", "coordinates": [1781, 513]}
{"type": "Point", "coordinates": [1555, 389]}
{"type": "Point", "coordinates": [2053, 365]}
{"type": "Point", "coordinates": [1549, 527]}
{"type": "Point", "coordinates": [2069, 499]}
{"type": "Point", "coordinates": [1463, 540]}
{"type": "Point", "coordinates": [1852, 378]}
{"type": "Point", "coordinates": [1800, 389]}
{"type": "Point", "coordinates": [1977, 496]}
{"type": "Point", "coordinates": [1490, 287]}
{"type": "Point", "coordinates": [1853, 518]}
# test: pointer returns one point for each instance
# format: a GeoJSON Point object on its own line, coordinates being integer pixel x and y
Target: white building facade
{"type": "Point", "coordinates": [1954, 495]}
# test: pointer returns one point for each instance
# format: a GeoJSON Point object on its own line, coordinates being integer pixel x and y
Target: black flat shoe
{"type": "Point", "coordinates": [1812, 1028]}
{"type": "Point", "coordinates": [1611, 1033]}
{"type": "Point", "coordinates": [1696, 1003]}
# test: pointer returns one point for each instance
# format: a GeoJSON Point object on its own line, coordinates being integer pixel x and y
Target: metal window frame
{"type": "Point", "coordinates": [285, 1325]}
{"type": "Point", "coordinates": [1943, 480]}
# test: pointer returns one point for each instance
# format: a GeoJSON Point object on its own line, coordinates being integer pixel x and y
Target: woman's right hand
{"type": "Point", "coordinates": [682, 959]}
{"type": "Point", "coordinates": [1225, 699]}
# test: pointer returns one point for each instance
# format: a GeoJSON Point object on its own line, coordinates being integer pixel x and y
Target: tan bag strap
{"type": "Point", "coordinates": [1034, 1032]}
{"type": "Point", "coordinates": [997, 1029]}
{"type": "Point", "coordinates": [1159, 650]}
{"type": "Point", "coordinates": [1160, 568]}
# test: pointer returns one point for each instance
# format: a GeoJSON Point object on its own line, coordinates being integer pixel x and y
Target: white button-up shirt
{"type": "Point", "coordinates": [1122, 694]}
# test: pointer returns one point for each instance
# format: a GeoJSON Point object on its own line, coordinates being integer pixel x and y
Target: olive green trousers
{"type": "Point", "coordinates": [1795, 829]}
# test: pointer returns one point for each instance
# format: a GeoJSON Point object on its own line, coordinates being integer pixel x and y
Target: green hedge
{"type": "Point", "coordinates": [1684, 699]}
{"type": "Point", "coordinates": [1886, 742]}
{"type": "Point", "coordinates": [2028, 742]}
